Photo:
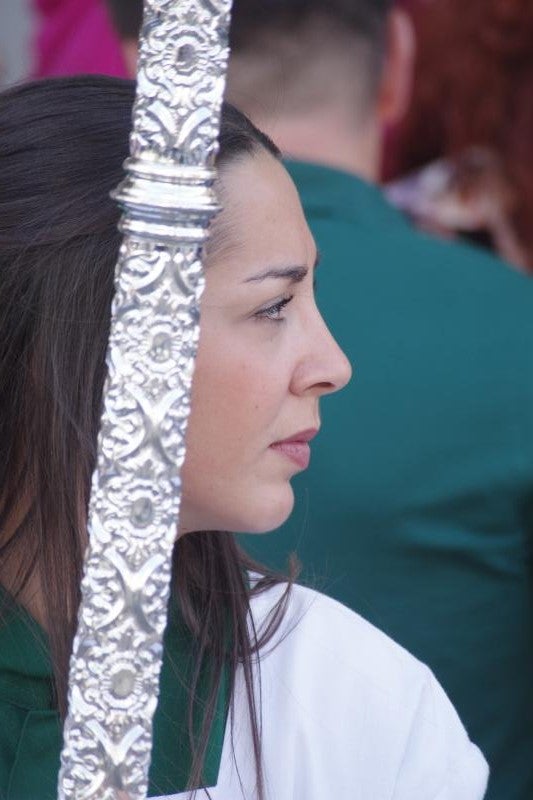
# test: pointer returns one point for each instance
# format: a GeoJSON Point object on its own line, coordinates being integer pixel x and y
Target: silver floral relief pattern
{"type": "Point", "coordinates": [168, 203]}
{"type": "Point", "coordinates": [181, 74]}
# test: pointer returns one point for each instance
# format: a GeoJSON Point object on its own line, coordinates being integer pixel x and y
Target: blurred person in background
{"type": "Point", "coordinates": [466, 142]}
{"type": "Point", "coordinates": [417, 510]}
{"type": "Point", "coordinates": [75, 36]}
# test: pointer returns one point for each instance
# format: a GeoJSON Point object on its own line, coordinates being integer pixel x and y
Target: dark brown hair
{"type": "Point", "coordinates": [251, 17]}
{"type": "Point", "coordinates": [62, 144]}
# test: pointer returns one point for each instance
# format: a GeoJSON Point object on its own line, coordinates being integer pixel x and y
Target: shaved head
{"type": "Point", "coordinates": [293, 55]}
{"type": "Point", "coordinates": [316, 62]}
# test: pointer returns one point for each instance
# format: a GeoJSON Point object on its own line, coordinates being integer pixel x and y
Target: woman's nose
{"type": "Point", "coordinates": [324, 368]}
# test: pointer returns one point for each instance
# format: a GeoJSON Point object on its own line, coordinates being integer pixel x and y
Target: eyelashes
{"type": "Point", "coordinates": [273, 313]}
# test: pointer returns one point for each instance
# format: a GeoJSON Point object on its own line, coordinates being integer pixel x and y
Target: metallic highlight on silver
{"type": "Point", "coordinates": [168, 203]}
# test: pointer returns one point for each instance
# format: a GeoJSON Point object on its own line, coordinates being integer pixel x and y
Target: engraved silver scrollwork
{"type": "Point", "coordinates": [168, 203]}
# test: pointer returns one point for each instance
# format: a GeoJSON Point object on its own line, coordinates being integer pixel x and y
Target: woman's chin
{"type": "Point", "coordinates": [247, 512]}
{"type": "Point", "coordinates": [268, 515]}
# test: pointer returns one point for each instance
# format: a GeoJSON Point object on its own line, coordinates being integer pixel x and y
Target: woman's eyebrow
{"type": "Point", "coordinates": [293, 274]}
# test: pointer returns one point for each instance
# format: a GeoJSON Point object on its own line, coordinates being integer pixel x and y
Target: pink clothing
{"type": "Point", "coordinates": [75, 36]}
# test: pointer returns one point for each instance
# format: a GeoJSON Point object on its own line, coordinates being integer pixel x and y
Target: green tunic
{"type": "Point", "coordinates": [417, 509]}
{"type": "Point", "coordinates": [30, 730]}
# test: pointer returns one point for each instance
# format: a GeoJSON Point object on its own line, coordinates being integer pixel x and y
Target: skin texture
{"type": "Point", "coordinates": [261, 369]}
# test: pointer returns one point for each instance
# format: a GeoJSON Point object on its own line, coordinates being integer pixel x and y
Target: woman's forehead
{"type": "Point", "coordinates": [262, 214]}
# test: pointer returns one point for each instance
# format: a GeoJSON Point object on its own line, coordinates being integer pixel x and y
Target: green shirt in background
{"type": "Point", "coordinates": [417, 509]}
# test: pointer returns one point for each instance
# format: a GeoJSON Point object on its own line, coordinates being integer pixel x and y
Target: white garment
{"type": "Point", "coordinates": [347, 714]}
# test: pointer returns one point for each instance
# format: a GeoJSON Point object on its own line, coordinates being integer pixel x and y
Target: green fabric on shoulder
{"type": "Point", "coordinates": [30, 729]}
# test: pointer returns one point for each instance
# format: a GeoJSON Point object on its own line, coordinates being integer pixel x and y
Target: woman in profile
{"type": "Point", "coordinates": [269, 691]}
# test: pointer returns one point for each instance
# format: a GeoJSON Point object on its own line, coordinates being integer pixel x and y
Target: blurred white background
{"type": "Point", "coordinates": [16, 29]}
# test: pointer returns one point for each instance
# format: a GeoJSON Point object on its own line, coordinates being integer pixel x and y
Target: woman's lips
{"type": "Point", "coordinates": [296, 448]}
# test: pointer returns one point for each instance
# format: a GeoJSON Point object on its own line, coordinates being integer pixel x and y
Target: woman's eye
{"type": "Point", "coordinates": [273, 312]}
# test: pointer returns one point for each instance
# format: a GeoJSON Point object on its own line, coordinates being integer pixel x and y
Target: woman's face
{"type": "Point", "coordinates": [265, 357]}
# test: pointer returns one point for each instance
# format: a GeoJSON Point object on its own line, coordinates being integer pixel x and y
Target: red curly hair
{"type": "Point", "coordinates": [473, 86]}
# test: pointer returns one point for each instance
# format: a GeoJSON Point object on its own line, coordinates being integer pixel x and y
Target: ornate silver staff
{"type": "Point", "coordinates": [168, 203]}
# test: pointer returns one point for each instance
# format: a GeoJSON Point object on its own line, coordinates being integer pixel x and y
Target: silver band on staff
{"type": "Point", "coordinates": [168, 202]}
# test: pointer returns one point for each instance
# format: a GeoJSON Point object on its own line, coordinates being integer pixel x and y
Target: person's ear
{"type": "Point", "coordinates": [398, 68]}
